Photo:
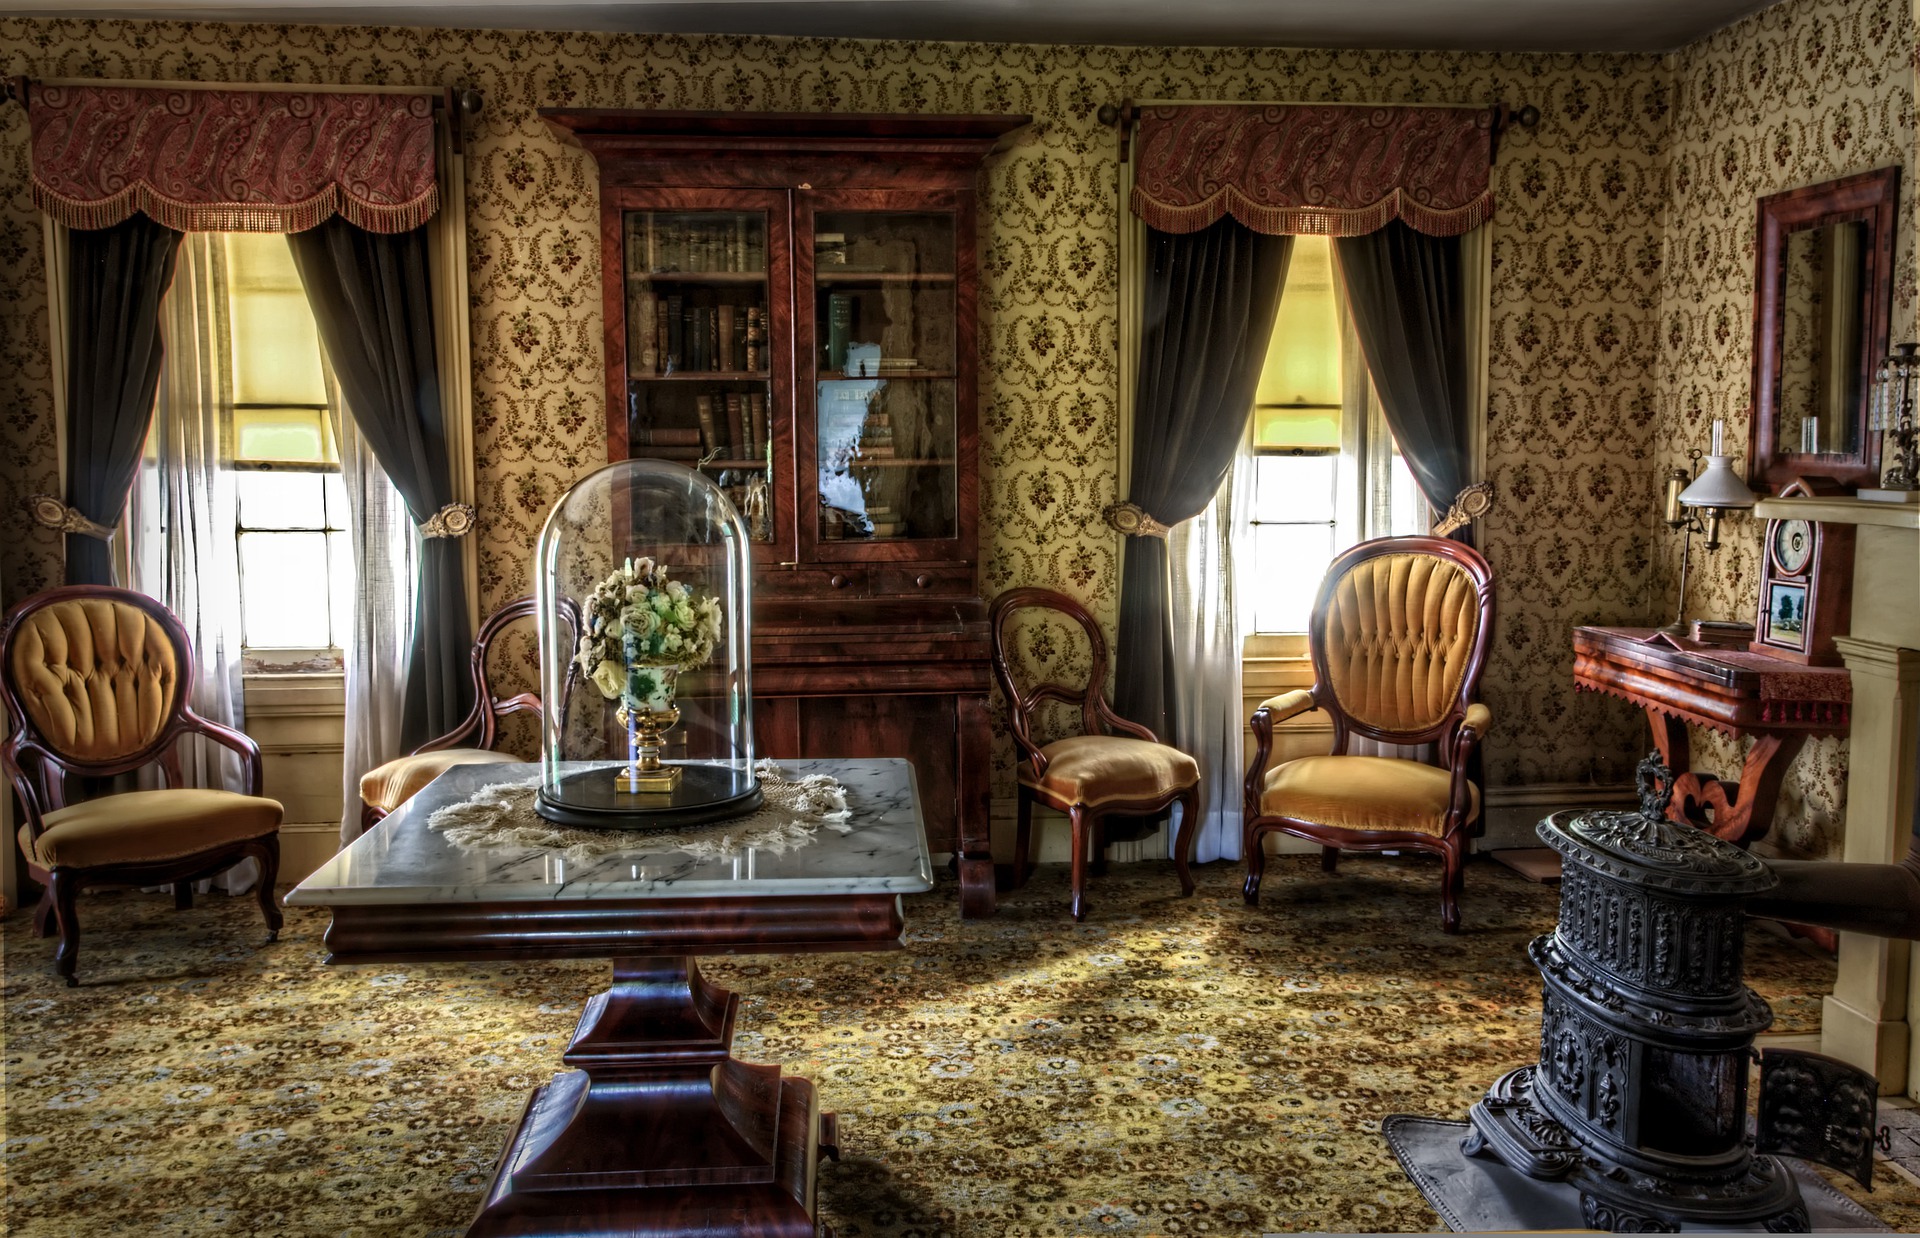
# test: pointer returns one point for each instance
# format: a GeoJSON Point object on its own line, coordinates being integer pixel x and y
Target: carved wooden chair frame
{"type": "Point", "coordinates": [481, 726]}
{"type": "Point", "coordinates": [1454, 738]}
{"type": "Point", "coordinates": [1097, 718]}
{"type": "Point", "coordinates": [42, 777]}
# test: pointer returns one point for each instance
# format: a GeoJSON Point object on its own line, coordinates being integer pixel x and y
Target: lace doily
{"type": "Point", "coordinates": [502, 815]}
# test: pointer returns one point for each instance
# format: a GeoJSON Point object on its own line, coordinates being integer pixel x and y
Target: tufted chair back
{"type": "Point", "coordinates": [1399, 635]}
{"type": "Point", "coordinates": [96, 673]}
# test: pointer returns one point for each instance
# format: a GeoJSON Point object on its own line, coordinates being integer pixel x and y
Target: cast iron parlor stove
{"type": "Point", "coordinates": [1639, 1099]}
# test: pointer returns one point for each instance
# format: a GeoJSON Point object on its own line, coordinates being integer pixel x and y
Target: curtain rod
{"type": "Point", "coordinates": [1124, 114]}
{"type": "Point", "coordinates": [469, 101]}
{"type": "Point", "coordinates": [460, 102]}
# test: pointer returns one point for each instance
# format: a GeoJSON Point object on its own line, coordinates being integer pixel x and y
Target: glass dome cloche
{"type": "Point", "coordinates": [655, 725]}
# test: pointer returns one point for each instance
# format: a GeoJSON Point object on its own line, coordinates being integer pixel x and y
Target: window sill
{"type": "Point", "coordinates": [292, 662]}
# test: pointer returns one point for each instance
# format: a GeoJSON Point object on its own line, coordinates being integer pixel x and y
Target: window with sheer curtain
{"type": "Point", "coordinates": [1323, 471]}
{"type": "Point", "coordinates": [296, 567]}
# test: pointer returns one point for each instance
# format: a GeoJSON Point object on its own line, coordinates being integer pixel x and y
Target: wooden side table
{"type": "Point", "coordinates": [1779, 704]}
{"type": "Point", "coordinates": [657, 1129]}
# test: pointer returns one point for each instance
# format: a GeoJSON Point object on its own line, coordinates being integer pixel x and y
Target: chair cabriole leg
{"type": "Point", "coordinates": [183, 896]}
{"type": "Point", "coordinates": [1453, 854]}
{"type": "Point", "coordinates": [1329, 859]}
{"type": "Point", "coordinates": [1255, 847]}
{"type": "Point", "coordinates": [1183, 841]}
{"type": "Point", "coordinates": [64, 886]}
{"type": "Point", "coordinates": [45, 923]}
{"type": "Point", "coordinates": [269, 856]}
{"type": "Point", "coordinates": [1082, 843]}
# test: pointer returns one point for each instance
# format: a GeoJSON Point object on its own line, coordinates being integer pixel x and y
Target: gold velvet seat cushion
{"type": "Point", "coordinates": [1363, 793]}
{"type": "Point", "coordinates": [388, 786]}
{"type": "Point", "coordinates": [140, 827]}
{"type": "Point", "coordinates": [1103, 769]}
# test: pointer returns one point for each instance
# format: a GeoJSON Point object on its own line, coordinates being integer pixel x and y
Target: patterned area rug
{"type": "Point", "coordinates": [1171, 1066]}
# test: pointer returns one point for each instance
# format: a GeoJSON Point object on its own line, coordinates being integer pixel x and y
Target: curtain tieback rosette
{"type": "Point", "coordinates": [51, 513]}
{"type": "Point", "coordinates": [1469, 505]}
{"type": "Point", "coordinates": [453, 520]}
{"type": "Point", "coordinates": [1133, 520]}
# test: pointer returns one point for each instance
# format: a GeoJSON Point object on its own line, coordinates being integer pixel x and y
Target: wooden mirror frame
{"type": "Point", "coordinates": [1870, 198]}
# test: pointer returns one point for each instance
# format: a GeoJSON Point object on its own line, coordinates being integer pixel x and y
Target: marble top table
{"type": "Point", "coordinates": [657, 1129]}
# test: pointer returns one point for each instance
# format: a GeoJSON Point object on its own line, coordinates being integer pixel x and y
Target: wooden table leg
{"type": "Point", "coordinates": [1739, 812]}
{"type": "Point", "coordinates": [658, 1130]}
{"type": "Point", "coordinates": [973, 831]}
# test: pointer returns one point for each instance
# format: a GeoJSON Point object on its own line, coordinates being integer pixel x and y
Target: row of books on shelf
{"type": "Point", "coordinates": [732, 426]}
{"type": "Point", "coordinates": [676, 338]}
{"type": "Point", "coordinates": [662, 245]}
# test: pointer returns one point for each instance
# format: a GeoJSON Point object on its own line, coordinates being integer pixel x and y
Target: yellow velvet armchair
{"type": "Point", "coordinates": [95, 683]}
{"type": "Point", "coordinates": [387, 786]}
{"type": "Point", "coordinates": [1398, 638]}
{"type": "Point", "coordinates": [1096, 774]}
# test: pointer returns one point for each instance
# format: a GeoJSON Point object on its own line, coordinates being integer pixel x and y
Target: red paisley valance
{"type": "Point", "coordinates": [232, 160]}
{"type": "Point", "coordinates": [1314, 169]}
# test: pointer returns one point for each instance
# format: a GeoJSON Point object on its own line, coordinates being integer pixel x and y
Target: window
{"type": "Point", "coordinates": [296, 564]}
{"type": "Point", "coordinates": [1325, 472]}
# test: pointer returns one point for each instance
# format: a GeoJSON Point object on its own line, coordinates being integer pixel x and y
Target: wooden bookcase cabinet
{"type": "Point", "coordinates": [790, 306]}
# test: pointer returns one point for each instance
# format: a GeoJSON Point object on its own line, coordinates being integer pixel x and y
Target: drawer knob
{"type": "Point", "coordinates": [923, 580]}
{"type": "Point", "coordinates": [840, 581]}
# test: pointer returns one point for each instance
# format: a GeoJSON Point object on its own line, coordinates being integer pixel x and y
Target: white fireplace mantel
{"type": "Point", "coordinates": [1868, 1019]}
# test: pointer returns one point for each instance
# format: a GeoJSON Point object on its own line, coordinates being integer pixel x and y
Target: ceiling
{"type": "Point", "coordinates": [1475, 25]}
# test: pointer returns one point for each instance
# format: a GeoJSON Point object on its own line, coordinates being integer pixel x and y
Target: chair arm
{"type": "Point", "coordinates": [1466, 737]}
{"type": "Point", "coordinates": [227, 737]}
{"type": "Point", "coordinates": [1274, 709]}
{"type": "Point", "coordinates": [1287, 705]}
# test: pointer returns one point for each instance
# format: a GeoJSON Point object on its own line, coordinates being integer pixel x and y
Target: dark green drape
{"type": "Point", "coordinates": [116, 278]}
{"type": "Point", "coordinates": [1210, 301]}
{"type": "Point", "coordinates": [372, 301]}
{"type": "Point", "coordinates": [1404, 290]}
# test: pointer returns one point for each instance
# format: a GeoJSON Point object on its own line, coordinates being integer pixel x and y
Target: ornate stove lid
{"type": "Point", "coordinates": [1646, 848]}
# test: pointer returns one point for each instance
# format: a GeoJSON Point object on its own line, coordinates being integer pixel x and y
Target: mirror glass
{"type": "Point", "coordinates": [1822, 280]}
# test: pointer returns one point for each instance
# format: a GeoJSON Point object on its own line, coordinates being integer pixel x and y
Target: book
{"type": "Point", "coordinates": [723, 331]}
{"type": "Point", "coordinates": [668, 436]}
{"type": "Point", "coordinates": [737, 347]}
{"type": "Point", "coordinates": [697, 357]}
{"type": "Point", "coordinates": [652, 256]}
{"type": "Point", "coordinates": [709, 429]}
{"type": "Point", "coordinates": [756, 338]}
{"type": "Point", "coordinates": [839, 329]}
{"type": "Point", "coordinates": [641, 353]}
{"type": "Point", "coordinates": [757, 423]}
{"type": "Point", "coordinates": [660, 338]}
{"type": "Point", "coordinates": [674, 451]}
{"type": "Point", "coordinates": [676, 334]}
{"type": "Point", "coordinates": [738, 446]}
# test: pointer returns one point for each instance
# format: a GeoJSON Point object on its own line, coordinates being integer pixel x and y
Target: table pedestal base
{"type": "Point", "coordinates": [658, 1130]}
{"type": "Point", "coordinates": [1742, 811]}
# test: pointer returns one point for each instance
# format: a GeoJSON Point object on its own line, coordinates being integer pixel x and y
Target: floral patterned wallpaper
{"type": "Point", "coordinates": [1583, 382]}
{"type": "Point", "coordinates": [1803, 92]}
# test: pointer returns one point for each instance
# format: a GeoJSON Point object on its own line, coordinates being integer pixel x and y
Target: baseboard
{"type": "Point", "coordinates": [1512, 813]}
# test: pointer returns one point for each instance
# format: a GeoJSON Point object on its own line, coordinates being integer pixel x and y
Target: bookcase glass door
{"type": "Point", "coordinates": [699, 369]}
{"type": "Point", "coordinates": [884, 286]}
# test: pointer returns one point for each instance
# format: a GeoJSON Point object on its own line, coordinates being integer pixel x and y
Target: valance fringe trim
{"type": "Point", "coordinates": [144, 199]}
{"type": "Point", "coordinates": [1311, 220]}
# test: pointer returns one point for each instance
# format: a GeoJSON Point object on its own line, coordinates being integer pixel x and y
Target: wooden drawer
{"type": "Point", "coordinates": [838, 581]}
{"type": "Point", "coordinates": [923, 579]}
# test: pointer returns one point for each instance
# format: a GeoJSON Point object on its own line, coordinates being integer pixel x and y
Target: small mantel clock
{"type": "Point", "coordinates": [1806, 585]}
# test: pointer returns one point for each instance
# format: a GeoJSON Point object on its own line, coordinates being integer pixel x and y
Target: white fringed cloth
{"type": "Point", "coordinates": [795, 811]}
